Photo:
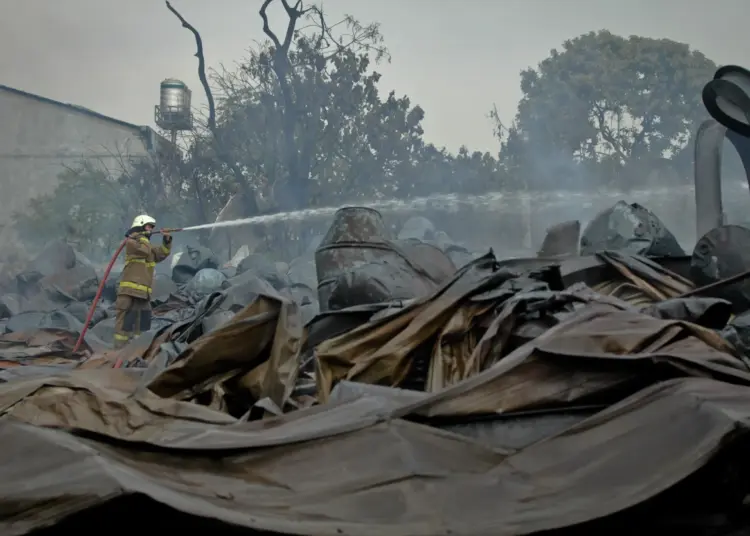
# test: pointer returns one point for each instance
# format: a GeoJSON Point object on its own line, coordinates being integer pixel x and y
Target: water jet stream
{"type": "Point", "coordinates": [446, 202]}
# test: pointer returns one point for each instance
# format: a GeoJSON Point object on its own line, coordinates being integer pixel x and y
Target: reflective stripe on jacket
{"type": "Point", "coordinates": [140, 259]}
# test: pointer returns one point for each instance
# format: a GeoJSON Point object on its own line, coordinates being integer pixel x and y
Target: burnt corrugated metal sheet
{"type": "Point", "coordinates": [385, 477]}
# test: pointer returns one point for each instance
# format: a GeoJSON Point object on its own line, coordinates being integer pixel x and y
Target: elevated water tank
{"type": "Point", "coordinates": [173, 111]}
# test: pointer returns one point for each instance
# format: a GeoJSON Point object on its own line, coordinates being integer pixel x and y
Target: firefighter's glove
{"type": "Point", "coordinates": [166, 239]}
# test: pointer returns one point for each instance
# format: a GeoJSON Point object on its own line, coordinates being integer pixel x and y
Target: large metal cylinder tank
{"type": "Point", "coordinates": [358, 235]}
{"type": "Point", "coordinates": [173, 111]}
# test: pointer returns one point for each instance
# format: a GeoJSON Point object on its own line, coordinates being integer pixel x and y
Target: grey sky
{"type": "Point", "coordinates": [453, 57]}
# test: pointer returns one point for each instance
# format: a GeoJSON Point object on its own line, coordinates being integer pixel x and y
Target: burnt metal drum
{"type": "Point", "coordinates": [358, 235]}
{"type": "Point", "coordinates": [721, 253]}
{"type": "Point", "coordinates": [629, 228]}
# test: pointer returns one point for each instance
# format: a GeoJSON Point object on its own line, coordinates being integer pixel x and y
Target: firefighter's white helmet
{"type": "Point", "coordinates": [142, 220]}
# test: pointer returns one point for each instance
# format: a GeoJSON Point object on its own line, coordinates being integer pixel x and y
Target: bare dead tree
{"type": "Point", "coordinates": [224, 155]}
{"type": "Point", "coordinates": [201, 66]}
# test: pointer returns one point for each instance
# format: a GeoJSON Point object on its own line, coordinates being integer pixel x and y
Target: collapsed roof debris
{"type": "Point", "coordinates": [409, 394]}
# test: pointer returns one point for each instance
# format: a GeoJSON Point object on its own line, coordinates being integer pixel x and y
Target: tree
{"type": "Point", "coordinates": [86, 208]}
{"type": "Point", "coordinates": [92, 208]}
{"type": "Point", "coordinates": [607, 105]}
{"type": "Point", "coordinates": [209, 137]}
{"type": "Point", "coordinates": [304, 116]}
{"type": "Point", "coordinates": [300, 123]}
{"type": "Point", "coordinates": [437, 171]}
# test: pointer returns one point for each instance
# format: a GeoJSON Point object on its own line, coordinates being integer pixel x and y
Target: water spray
{"type": "Point", "coordinates": [296, 215]}
{"type": "Point", "coordinates": [448, 202]}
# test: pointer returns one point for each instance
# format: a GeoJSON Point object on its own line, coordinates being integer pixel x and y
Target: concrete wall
{"type": "Point", "coordinates": [38, 139]}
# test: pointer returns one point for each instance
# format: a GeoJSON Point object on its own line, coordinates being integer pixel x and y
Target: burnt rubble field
{"type": "Point", "coordinates": [380, 385]}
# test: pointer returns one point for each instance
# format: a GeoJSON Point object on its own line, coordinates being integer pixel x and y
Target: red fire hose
{"type": "Point", "coordinates": [98, 295]}
{"type": "Point", "coordinates": [99, 291]}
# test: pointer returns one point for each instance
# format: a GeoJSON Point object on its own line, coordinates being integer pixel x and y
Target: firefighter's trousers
{"type": "Point", "coordinates": [133, 318]}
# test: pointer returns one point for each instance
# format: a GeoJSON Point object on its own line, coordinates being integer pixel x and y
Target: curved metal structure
{"type": "Point", "coordinates": [709, 145]}
{"type": "Point", "coordinates": [721, 250]}
{"type": "Point", "coordinates": [727, 101]}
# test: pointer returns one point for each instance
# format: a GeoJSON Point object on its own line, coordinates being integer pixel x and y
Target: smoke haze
{"type": "Point", "coordinates": [455, 57]}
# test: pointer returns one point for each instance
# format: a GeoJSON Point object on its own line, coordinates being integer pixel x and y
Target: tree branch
{"type": "Point", "coordinates": [294, 14]}
{"type": "Point", "coordinates": [606, 133]}
{"type": "Point", "coordinates": [283, 70]}
{"type": "Point", "coordinates": [211, 123]}
{"type": "Point", "coordinates": [266, 28]}
{"type": "Point", "coordinates": [360, 37]}
{"type": "Point", "coordinates": [201, 66]}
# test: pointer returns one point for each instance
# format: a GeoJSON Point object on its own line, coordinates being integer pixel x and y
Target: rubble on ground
{"type": "Point", "coordinates": [382, 384]}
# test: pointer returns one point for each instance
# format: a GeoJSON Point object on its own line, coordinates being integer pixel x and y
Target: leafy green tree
{"type": "Point", "coordinates": [92, 209]}
{"type": "Point", "coordinates": [437, 171]}
{"type": "Point", "coordinates": [477, 173]}
{"type": "Point", "coordinates": [626, 105]}
{"type": "Point", "coordinates": [87, 208]}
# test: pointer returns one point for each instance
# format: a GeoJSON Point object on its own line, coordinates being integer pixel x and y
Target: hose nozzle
{"type": "Point", "coordinates": [167, 230]}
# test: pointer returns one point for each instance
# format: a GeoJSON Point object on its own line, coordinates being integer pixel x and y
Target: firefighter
{"type": "Point", "coordinates": [133, 303]}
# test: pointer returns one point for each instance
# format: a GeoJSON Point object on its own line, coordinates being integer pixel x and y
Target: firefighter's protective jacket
{"type": "Point", "coordinates": [140, 259]}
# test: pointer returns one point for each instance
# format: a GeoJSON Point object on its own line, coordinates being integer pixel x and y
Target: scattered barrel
{"type": "Point", "coordinates": [426, 258]}
{"type": "Point", "coordinates": [561, 239]}
{"type": "Point", "coordinates": [721, 253]}
{"type": "Point", "coordinates": [631, 228]}
{"type": "Point", "coordinates": [358, 235]}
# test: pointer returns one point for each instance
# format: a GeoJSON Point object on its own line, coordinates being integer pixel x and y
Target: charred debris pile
{"type": "Point", "coordinates": [397, 385]}
{"type": "Point", "coordinates": [419, 389]}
